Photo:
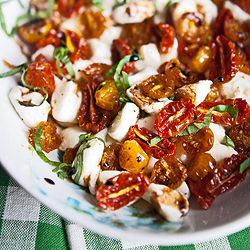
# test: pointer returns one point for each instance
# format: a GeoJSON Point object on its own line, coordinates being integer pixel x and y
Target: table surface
{"type": "Point", "coordinates": [27, 224]}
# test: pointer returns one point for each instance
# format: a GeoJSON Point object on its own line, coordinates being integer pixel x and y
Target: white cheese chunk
{"type": "Point", "coordinates": [197, 92]}
{"type": "Point", "coordinates": [110, 34]}
{"type": "Point", "coordinates": [80, 65]}
{"type": "Point", "coordinates": [238, 87]}
{"type": "Point", "coordinates": [65, 102]}
{"type": "Point", "coordinates": [101, 52]}
{"type": "Point", "coordinates": [127, 117]}
{"type": "Point", "coordinates": [147, 122]}
{"type": "Point", "coordinates": [150, 57]}
{"type": "Point", "coordinates": [31, 115]}
{"type": "Point", "coordinates": [70, 137]}
{"type": "Point", "coordinates": [169, 203]}
{"type": "Point", "coordinates": [134, 12]}
{"type": "Point", "coordinates": [105, 175]}
{"type": "Point", "coordinates": [238, 13]}
{"type": "Point", "coordinates": [184, 190]}
{"type": "Point", "coordinates": [218, 131]}
{"type": "Point", "coordinates": [172, 53]}
{"type": "Point", "coordinates": [90, 164]}
{"type": "Point", "coordinates": [46, 51]}
{"type": "Point", "coordinates": [220, 151]}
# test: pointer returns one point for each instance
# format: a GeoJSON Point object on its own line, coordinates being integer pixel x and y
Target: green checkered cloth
{"type": "Point", "coordinates": [26, 224]}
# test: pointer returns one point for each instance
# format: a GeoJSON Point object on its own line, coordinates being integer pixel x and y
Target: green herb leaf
{"type": "Point", "coordinates": [98, 3]}
{"type": "Point", "coordinates": [244, 165]}
{"type": "Point", "coordinates": [87, 137]}
{"type": "Point", "coordinates": [154, 141]}
{"type": "Point", "coordinates": [14, 71]}
{"type": "Point", "coordinates": [228, 142]}
{"type": "Point", "coordinates": [60, 55]}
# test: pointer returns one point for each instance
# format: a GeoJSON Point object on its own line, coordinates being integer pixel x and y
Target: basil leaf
{"type": "Point", "coordinates": [60, 55]}
{"type": "Point", "coordinates": [98, 3]}
{"type": "Point", "coordinates": [38, 148]}
{"type": "Point", "coordinates": [226, 108]}
{"type": "Point", "coordinates": [14, 71]}
{"type": "Point", "coordinates": [229, 142]}
{"type": "Point", "coordinates": [87, 137]}
{"type": "Point", "coordinates": [154, 141]}
{"type": "Point", "coordinates": [118, 71]}
{"type": "Point", "coordinates": [111, 71]}
{"type": "Point", "coordinates": [244, 165]}
{"type": "Point", "coordinates": [125, 80]}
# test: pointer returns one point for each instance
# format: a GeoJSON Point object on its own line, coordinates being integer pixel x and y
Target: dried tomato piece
{"type": "Point", "coordinates": [227, 175]}
{"type": "Point", "coordinates": [186, 51]}
{"type": "Point", "coordinates": [225, 60]}
{"type": "Point", "coordinates": [168, 171]}
{"type": "Point", "coordinates": [201, 165]}
{"type": "Point", "coordinates": [213, 95]}
{"type": "Point", "coordinates": [166, 35]}
{"type": "Point", "coordinates": [50, 140]}
{"type": "Point", "coordinates": [69, 8]}
{"type": "Point", "coordinates": [92, 23]}
{"type": "Point", "coordinates": [39, 74]}
{"type": "Point", "coordinates": [193, 27]}
{"type": "Point", "coordinates": [240, 135]}
{"type": "Point", "coordinates": [143, 136]}
{"type": "Point", "coordinates": [137, 34]}
{"type": "Point", "coordinates": [120, 190]}
{"type": "Point", "coordinates": [199, 142]}
{"type": "Point", "coordinates": [53, 38]}
{"type": "Point", "coordinates": [69, 155]}
{"type": "Point", "coordinates": [223, 118]}
{"type": "Point", "coordinates": [91, 117]}
{"type": "Point", "coordinates": [198, 189]}
{"type": "Point", "coordinates": [120, 49]}
{"type": "Point", "coordinates": [158, 86]}
{"type": "Point", "coordinates": [174, 117]}
{"type": "Point", "coordinates": [110, 157]}
{"type": "Point", "coordinates": [95, 72]}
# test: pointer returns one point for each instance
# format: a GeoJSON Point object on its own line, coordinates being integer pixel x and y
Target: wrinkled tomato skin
{"type": "Point", "coordinates": [240, 135]}
{"type": "Point", "coordinates": [39, 74]}
{"type": "Point", "coordinates": [143, 136]}
{"type": "Point", "coordinates": [52, 39]}
{"type": "Point", "coordinates": [227, 175]}
{"type": "Point", "coordinates": [224, 178]}
{"type": "Point", "coordinates": [225, 61]}
{"type": "Point", "coordinates": [130, 185]}
{"type": "Point", "coordinates": [199, 142]}
{"type": "Point", "coordinates": [166, 37]}
{"type": "Point", "coordinates": [91, 117]}
{"type": "Point", "coordinates": [69, 8]}
{"type": "Point", "coordinates": [174, 117]}
{"type": "Point", "coordinates": [120, 49]}
{"type": "Point", "coordinates": [168, 171]}
{"type": "Point", "coordinates": [223, 118]}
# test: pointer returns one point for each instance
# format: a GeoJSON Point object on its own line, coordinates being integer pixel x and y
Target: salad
{"type": "Point", "coordinates": [145, 99]}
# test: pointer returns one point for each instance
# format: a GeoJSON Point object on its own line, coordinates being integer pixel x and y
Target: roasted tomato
{"type": "Point", "coordinates": [158, 86]}
{"type": "Point", "coordinates": [92, 23]}
{"type": "Point", "coordinates": [224, 178]}
{"type": "Point", "coordinates": [34, 30]}
{"type": "Point", "coordinates": [120, 49]}
{"type": "Point", "coordinates": [225, 60]}
{"type": "Point", "coordinates": [137, 34]}
{"type": "Point", "coordinates": [143, 136]}
{"type": "Point", "coordinates": [69, 8]}
{"type": "Point", "coordinates": [244, 4]}
{"type": "Point", "coordinates": [174, 117]}
{"type": "Point", "coordinates": [91, 117]}
{"type": "Point", "coordinates": [132, 157]}
{"type": "Point", "coordinates": [39, 74]}
{"type": "Point", "coordinates": [202, 164]}
{"type": "Point", "coordinates": [122, 189]}
{"type": "Point", "coordinates": [166, 35]}
{"type": "Point", "coordinates": [240, 135]}
{"type": "Point", "coordinates": [193, 27]}
{"type": "Point", "coordinates": [168, 171]}
{"type": "Point", "coordinates": [50, 139]}
{"type": "Point", "coordinates": [110, 157]}
{"type": "Point", "coordinates": [224, 118]}
{"type": "Point", "coordinates": [52, 38]}
{"type": "Point", "coordinates": [107, 96]}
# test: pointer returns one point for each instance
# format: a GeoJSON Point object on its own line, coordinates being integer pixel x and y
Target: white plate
{"type": "Point", "coordinates": [229, 213]}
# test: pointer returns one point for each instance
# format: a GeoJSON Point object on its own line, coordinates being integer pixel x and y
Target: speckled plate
{"type": "Point", "coordinates": [139, 222]}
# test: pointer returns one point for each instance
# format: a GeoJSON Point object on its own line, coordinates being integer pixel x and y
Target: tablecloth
{"type": "Point", "coordinates": [26, 224]}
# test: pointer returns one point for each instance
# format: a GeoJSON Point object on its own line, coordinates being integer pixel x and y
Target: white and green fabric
{"type": "Point", "coordinates": [26, 224]}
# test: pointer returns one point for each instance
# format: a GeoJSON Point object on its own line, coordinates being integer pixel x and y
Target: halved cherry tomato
{"type": "Point", "coordinates": [121, 189]}
{"type": "Point", "coordinates": [143, 136]}
{"type": "Point", "coordinates": [174, 117]}
{"type": "Point", "coordinates": [69, 8]}
{"type": "Point", "coordinates": [223, 118]}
